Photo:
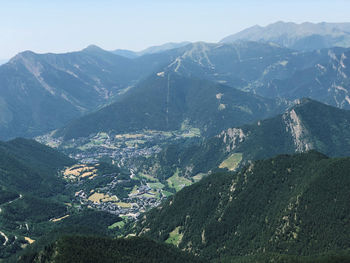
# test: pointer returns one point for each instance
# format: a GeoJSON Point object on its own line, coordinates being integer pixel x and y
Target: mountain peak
{"type": "Point", "coordinates": [93, 48]}
{"type": "Point", "coordinates": [23, 54]}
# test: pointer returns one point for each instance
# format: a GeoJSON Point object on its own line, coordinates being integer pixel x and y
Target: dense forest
{"type": "Point", "coordinates": [101, 249]}
{"type": "Point", "coordinates": [281, 205]}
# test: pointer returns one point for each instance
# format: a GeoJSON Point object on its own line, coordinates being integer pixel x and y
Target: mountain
{"type": "Point", "coordinates": [286, 207]}
{"type": "Point", "coordinates": [166, 101]}
{"type": "Point", "coordinates": [305, 126]}
{"type": "Point", "coordinates": [102, 249]}
{"type": "Point", "coordinates": [150, 50]}
{"type": "Point", "coordinates": [233, 64]}
{"type": "Point", "coordinates": [305, 36]}
{"type": "Point", "coordinates": [40, 92]}
{"type": "Point", "coordinates": [268, 70]}
{"type": "Point", "coordinates": [326, 81]}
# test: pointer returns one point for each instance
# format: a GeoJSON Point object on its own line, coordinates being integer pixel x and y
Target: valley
{"type": "Point", "coordinates": [138, 190]}
{"type": "Point", "coordinates": [236, 151]}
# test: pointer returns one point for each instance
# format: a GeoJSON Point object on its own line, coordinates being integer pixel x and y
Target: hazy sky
{"type": "Point", "coordinates": [68, 25]}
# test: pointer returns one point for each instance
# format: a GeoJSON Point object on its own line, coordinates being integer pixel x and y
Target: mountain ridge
{"type": "Point", "coordinates": [150, 50]}
{"type": "Point", "coordinates": [303, 36]}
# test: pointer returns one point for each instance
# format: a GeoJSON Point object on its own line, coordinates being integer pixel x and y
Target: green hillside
{"type": "Point", "coordinates": [291, 205]}
{"type": "Point", "coordinates": [166, 101]}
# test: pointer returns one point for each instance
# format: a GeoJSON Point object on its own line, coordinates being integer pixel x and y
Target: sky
{"type": "Point", "coordinates": [69, 25]}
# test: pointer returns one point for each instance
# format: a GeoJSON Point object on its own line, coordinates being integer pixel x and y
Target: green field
{"type": "Point", "coordinates": [148, 177]}
{"type": "Point", "coordinates": [198, 177]}
{"type": "Point", "coordinates": [156, 185]}
{"type": "Point", "coordinates": [166, 193]}
{"type": "Point", "coordinates": [175, 237]}
{"type": "Point", "coordinates": [178, 182]}
{"type": "Point", "coordinates": [119, 224]}
{"type": "Point", "coordinates": [231, 162]}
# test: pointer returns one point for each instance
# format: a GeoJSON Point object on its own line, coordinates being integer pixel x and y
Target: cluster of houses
{"type": "Point", "coordinates": [138, 202]}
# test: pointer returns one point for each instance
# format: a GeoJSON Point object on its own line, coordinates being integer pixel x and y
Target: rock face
{"type": "Point", "coordinates": [232, 137]}
{"type": "Point", "coordinates": [299, 133]}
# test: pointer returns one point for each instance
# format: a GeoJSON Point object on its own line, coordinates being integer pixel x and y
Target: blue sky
{"type": "Point", "coordinates": [61, 26]}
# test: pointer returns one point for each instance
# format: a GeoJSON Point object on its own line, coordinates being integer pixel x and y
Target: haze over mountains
{"type": "Point", "coordinates": [305, 36]}
{"type": "Point", "coordinates": [172, 144]}
{"type": "Point", "coordinates": [72, 84]}
{"type": "Point", "coordinates": [150, 50]}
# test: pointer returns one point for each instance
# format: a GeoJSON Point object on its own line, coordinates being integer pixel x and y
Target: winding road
{"type": "Point", "coordinates": [9, 202]}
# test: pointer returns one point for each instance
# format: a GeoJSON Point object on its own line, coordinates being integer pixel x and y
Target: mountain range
{"type": "Point", "coordinates": [42, 92]}
{"type": "Point", "coordinates": [236, 151]}
{"type": "Point", "coordinates": [304, 36]}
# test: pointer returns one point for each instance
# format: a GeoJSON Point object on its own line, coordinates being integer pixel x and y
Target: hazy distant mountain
{"type": "Point", "coordinates": [150, 50]}
{"type": "Point", "coordinates": [269, 70]}
{"type": "Point", "coordinates": [243, 64]}
{"type": "Point", "coordinates": [125, 53]}
{"type": "Point", "coordinates": [165, 101]}
{"type": "Point", "coordinates": [234, 64]}
{"type": "Point", "coordinates": [40, 92]}
{"type": "Point", "coordinates": [276, 210]}
{"type": "Point", "coordinates": [305, 36]}
{"type": "Point", "coordinates": [327, 81]}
